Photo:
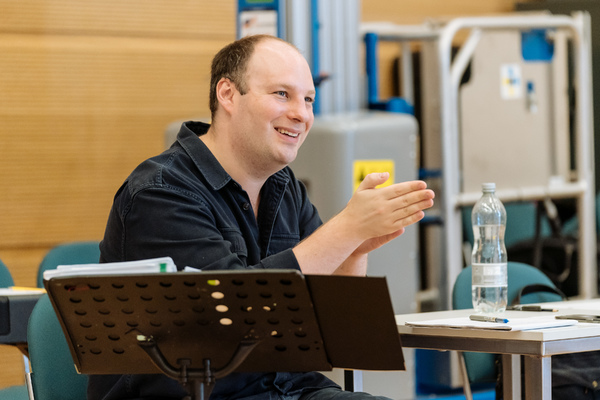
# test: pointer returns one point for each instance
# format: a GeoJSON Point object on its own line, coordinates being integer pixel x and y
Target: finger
{"type": "Point", "coordinates": [403, 188]}
{"type": "Point", "coordinates": [413, 213]}
{"type": "Point", "coordinates": [394, 235]}
{"type": "Point", "coordinates": [411, 219]}
{"type": "Point", "coordinates": [416, 206]}
{"type": "Point", "coordinates": [424, 197]}
{"type": "Point", "coordinates": [373, 179]}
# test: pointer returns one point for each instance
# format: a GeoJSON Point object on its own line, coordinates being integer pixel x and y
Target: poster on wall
{"type": "Point", "coordinates": [255, 22]}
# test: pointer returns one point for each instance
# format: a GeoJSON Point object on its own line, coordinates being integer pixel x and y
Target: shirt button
{"type": "Point", "coordinates": [246, 206]}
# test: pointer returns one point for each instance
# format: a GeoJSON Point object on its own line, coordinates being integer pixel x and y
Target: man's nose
{"type": "Point", "coordinates": [300, 111]}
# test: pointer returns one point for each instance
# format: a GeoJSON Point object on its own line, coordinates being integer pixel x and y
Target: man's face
{"type": "Point", "coordinates": [274, 116]}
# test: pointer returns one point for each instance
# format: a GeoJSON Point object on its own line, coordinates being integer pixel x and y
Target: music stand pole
{"type": "Point", "coordinates": [199, 382]}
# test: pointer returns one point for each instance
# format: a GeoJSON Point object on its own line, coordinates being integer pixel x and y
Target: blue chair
{"type": "Point", "coordinates": [6, 279]}
{"type": "Point", "coordinates": [571, 226]}
{"type": "Point", "coordinates": [53, 373]}
{"type": "Point", "coordinates": [480, 367]}
{"type": "Point", "coordinates": [17, 392]}
{"type": "Point", "coordinates": [68, 254]}
{"type": "Point", "coordinates": [522, 217]}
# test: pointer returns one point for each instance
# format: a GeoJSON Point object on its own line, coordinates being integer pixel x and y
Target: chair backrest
{"type": "Point", "coordinates": [69, 254]}
{"type": "Point", "coordinates": [521, 227]}
{"type": "Point", "coordinates": [6, 279]}
{"type": "Point", "coordinates": [53, 373]}
{"type": "Point", "coordinates": [480, 366]}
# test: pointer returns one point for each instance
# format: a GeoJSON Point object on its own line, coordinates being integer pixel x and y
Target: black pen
{"type": "Point", "coordinates": [487, 318]}
{"type": "Point", "coordinates": [530, 308]}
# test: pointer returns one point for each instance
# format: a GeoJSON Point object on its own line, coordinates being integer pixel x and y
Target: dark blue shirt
{"type": "Point", "coordinates": [183, 204]}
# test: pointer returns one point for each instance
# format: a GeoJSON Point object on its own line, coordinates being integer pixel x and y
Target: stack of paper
{"type": "Point", "coordinates": [153, 265]}
{"type": "Point", "coordinates": [21, 291]}
{"type": "Point", "coordinates": [514, 324]}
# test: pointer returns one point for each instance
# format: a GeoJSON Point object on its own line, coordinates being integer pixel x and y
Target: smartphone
{"type": "Point", "coordinates": [581, 317]}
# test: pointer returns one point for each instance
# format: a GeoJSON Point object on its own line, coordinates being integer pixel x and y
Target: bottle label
{"type": "Point", "coordinates": [489, 274]}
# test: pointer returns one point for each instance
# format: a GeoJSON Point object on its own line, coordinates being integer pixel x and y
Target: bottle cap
{"type": "Point", "coordinates": [488, 187]}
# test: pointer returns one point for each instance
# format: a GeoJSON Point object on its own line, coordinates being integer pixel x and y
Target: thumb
{"type": "Point", "coordinates": [374, 179]}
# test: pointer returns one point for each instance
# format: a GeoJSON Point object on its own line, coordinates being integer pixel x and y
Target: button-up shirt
{"type": "Point", "coordinates": [184, 205]}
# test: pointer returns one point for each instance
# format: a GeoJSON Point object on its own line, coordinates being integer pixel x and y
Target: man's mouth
{"type": "Point", "coordinates": [287, 133]}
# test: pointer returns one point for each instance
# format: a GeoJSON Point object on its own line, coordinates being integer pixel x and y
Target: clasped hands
{"type": "Point", "coordinates": [379, 215]}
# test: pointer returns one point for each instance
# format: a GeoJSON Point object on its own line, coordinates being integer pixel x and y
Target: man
{"type": "Point", "coordinates": [223, 197]}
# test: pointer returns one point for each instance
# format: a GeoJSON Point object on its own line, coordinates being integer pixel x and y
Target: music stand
{"type": "Point", "coordinates": [199, 327]}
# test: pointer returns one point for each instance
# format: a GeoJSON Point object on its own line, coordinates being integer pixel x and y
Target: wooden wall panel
{"type": "Point", "coordinates": [13, 370]}
{"type": "Point", "coordinates": [146, 18]}
{"type": "Point", "coordinates": [417, 11]}
{"type": "Point", "coordinates": [77, 115]}
{"type": "Point", "coordinates": [86, 92]}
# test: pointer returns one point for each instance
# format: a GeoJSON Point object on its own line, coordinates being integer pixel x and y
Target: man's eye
{"type": "Point", "coordinates": [309, 99]}
{"type": "Point", "coordinates": [281, 93]}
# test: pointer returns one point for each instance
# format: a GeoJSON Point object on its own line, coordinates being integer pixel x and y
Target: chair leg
{"type": "Point", "coordinates": [28, 378]}
{"type": "Point", "coordinates": [29, 387]}
{"type": "Point", "coordinates": [465, 376]}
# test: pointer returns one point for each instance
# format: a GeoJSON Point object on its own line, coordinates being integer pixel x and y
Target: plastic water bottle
{"type": "Point", "coordinates": [489, 273]}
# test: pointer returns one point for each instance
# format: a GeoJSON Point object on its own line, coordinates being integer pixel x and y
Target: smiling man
{"type": "Point", "coordinates": [223, 197]}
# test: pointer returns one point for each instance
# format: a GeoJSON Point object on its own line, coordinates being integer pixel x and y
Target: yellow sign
{"type": "Point", "coordinates": [364, 167]}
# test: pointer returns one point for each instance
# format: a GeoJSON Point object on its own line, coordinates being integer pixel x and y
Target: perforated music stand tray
{"type": "Point", "coordinates": [199, 327]}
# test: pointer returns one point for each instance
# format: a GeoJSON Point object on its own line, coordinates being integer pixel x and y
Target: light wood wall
{"type": "Point", "coordinates": [86, 91]}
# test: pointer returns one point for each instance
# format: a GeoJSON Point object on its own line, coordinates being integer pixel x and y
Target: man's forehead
{"type": "Point", "coordinates": [274, 59]}
{"type": "Point", "coordinates": [274, 47]}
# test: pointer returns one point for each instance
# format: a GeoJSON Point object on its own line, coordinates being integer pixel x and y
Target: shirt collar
{"type": "Point", "coordinates": [205, 161]}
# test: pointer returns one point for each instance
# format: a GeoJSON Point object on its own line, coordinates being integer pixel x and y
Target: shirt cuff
{"type": "Point", "coordinates": [283, 260]}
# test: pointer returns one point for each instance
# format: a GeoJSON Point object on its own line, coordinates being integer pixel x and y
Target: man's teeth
{"type": "Point", "coordinates": [290, 134]}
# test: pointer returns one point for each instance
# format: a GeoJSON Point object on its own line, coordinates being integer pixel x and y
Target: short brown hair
{"type": "Point", "coordinates": [231, 62]}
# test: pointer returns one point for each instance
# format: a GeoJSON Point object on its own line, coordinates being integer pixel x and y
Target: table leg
{"type": "Point", "coordinates": [464, 375]}
{"type": "Point", "coordinates": [511, 376]}
{"type": "Point", "coordinates": [538, 377]}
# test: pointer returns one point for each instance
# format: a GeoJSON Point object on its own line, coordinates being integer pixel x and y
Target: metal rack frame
{"type": "Point", "coordinates": [450, 72]}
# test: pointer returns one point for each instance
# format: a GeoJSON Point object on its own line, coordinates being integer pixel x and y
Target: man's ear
{"type": "Point", "coordinates": [225, 92]}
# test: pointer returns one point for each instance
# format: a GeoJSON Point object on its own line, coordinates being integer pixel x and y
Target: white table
{"type": "Point", "coordinates": [538, 346]}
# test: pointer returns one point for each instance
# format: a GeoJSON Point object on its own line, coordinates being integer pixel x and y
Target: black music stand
{"type": "Point", "coordinates": [199, 327]}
